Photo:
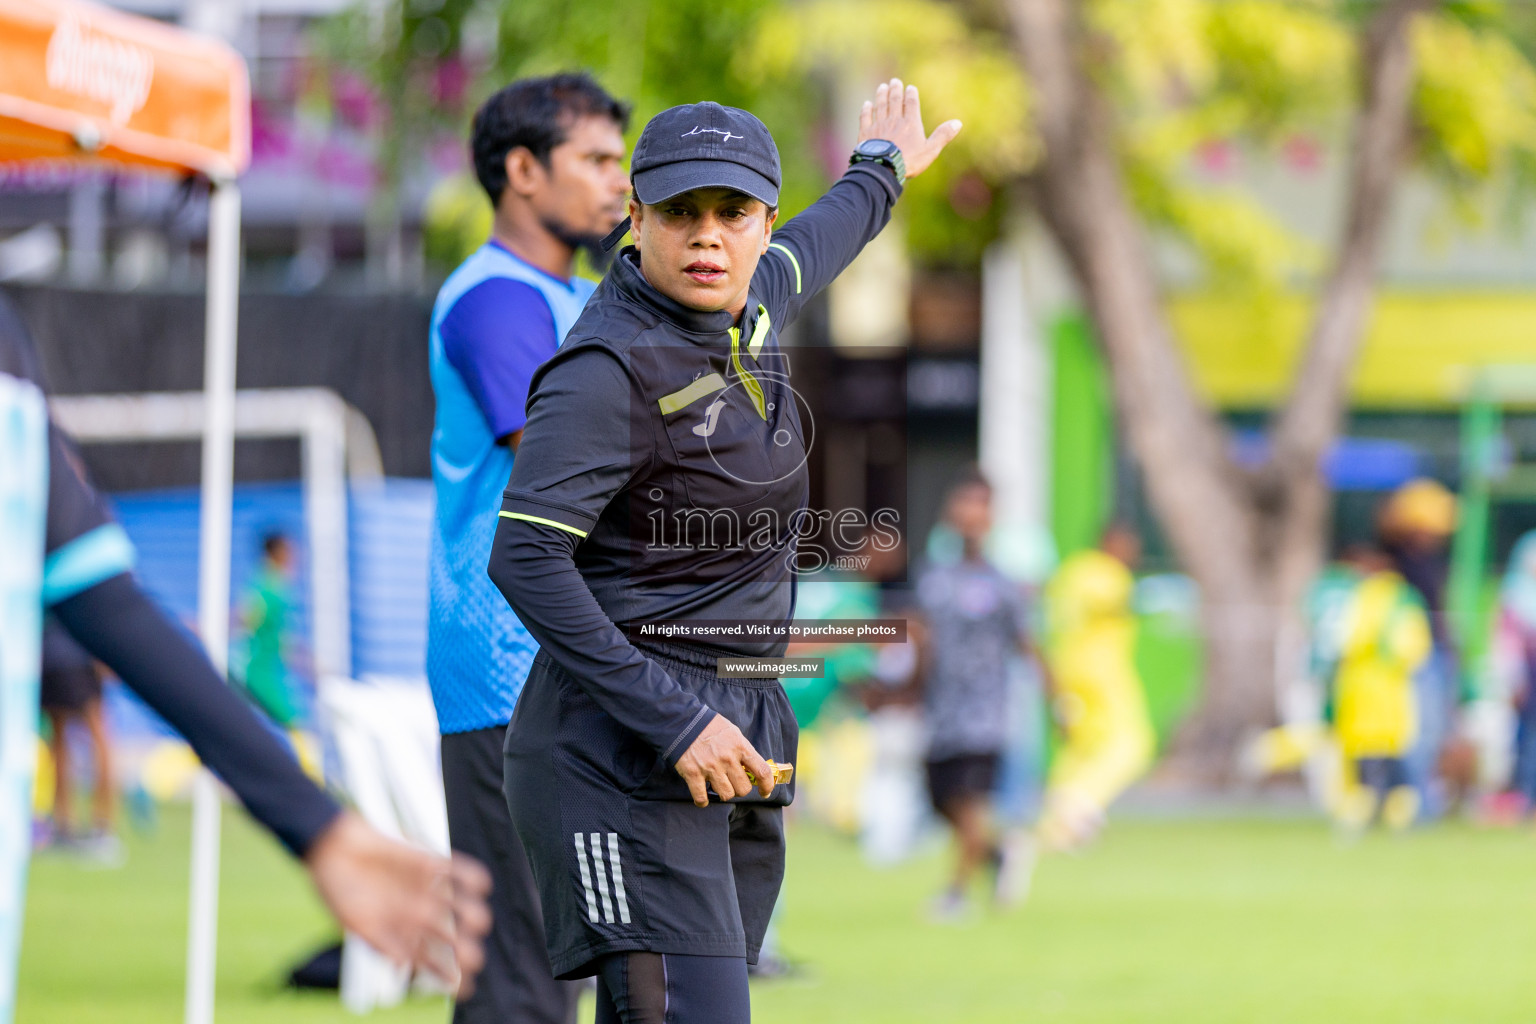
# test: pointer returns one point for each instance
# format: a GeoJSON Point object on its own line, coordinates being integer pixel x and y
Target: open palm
{"type": "Point", "coordinates": [896, 116]}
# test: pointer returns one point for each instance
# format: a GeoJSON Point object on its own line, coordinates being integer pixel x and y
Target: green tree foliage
{"type": "Point", "coordinates": [408, 54]}
{"type": "Point", "coordinates": [1259, 73]}
{"type": "Point", "coordinates": [1476, 106]}
{"type": "Point", "coordinates": [655, 54]}
{"type": "Point", "coordinates": [651, 53]}
{"type": "Point", "coordinates": [964, 70]}
{"type": "Point", "coordinates": [1183, 75]}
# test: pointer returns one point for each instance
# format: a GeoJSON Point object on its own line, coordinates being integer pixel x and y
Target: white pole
{"type": "Point", "coordinates": [1015, 392]}
{"type": "Point", "coordinates": [324, 457]}
{"type": "Point", "coordinates": [213, 572]}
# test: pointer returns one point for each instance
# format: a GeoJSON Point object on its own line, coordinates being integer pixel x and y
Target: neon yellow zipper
{"type": "Point", "coordinates": [748, 381]}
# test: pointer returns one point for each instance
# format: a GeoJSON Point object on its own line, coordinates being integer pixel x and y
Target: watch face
{"type": "Point", "coordinates": [876, 147]}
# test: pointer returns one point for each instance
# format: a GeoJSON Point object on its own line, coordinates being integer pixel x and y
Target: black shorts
{"type": "Point", "coordinates": [515, 983]}
{"type": "Point", "coordinates": [963, 775]}
{"type": "Point", "coordinates": [69, 689]}
{"type": "Point", "coordinates": [1382, 774]}
{"type": "Point", "coordinates": [622, 857]}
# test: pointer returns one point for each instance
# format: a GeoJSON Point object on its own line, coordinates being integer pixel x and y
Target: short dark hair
{"type": "Point", "coordinates": [970, 476]}
{"type": "Point", "coordinates": [535, 113]}
{"type": "Point", "coordinates": [272, 540]}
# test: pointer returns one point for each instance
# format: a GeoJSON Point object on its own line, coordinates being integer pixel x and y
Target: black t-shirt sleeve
{"type": "Point", "coordinates": [578, 448]}
{"type": "Point", "coordinates": [806, 254]}
{"type": "Point", "coordinates": [577, 453]}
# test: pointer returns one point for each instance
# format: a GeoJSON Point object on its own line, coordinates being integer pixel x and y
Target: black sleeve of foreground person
{"type": "Point", "coordinates": [124, 629]}
{"type": "Point", "coordinates": [807, 253]}
{"type": "Point", "coordinates": [574, 457]}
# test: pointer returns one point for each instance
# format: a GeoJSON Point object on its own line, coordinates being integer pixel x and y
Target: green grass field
{"type": "Point", "coordinates": [1187, 922]}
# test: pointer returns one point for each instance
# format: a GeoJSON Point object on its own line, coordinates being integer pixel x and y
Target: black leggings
{"type": "Point", "coordinates": [667, 988]}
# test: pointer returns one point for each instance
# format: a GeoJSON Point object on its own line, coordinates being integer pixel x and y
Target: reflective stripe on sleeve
{"type": "Point", "coordinates": [792, 262]}
{"type": "Point", "coordinates": [542, 522]}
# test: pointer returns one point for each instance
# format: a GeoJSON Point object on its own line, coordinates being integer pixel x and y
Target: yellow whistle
{"type": "Point", "coordinates": [782, 773]}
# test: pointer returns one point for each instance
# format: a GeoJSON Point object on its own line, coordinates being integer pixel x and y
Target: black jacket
{"type": "Point", "coordinates": [661, 474]}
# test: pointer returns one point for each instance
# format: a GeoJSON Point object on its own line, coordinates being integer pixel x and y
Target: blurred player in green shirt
{"type": "Point", "coordinates": [266, 613]}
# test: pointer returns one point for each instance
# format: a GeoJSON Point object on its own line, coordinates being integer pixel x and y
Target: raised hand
{"type": "Point", "coordinates": [896, 116]}
{"type": "Point", "coordinates": [718, 758]}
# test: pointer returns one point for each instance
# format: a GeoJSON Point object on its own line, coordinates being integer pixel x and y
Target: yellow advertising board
{"type": "Point", "coordinates": [1420, 350]}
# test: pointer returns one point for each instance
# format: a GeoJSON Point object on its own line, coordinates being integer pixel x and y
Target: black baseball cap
{"type": "Point", "coordinates": [705, 145]}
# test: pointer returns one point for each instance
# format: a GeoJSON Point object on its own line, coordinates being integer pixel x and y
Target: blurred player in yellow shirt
{"type": "Point", "coordinates": [1385, 638]}
{"type": "Point", "coordinates": [1108, 740]}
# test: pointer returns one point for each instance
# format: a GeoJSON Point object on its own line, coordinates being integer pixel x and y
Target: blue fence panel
{"type": "Point", "coordinates": [389, 531]}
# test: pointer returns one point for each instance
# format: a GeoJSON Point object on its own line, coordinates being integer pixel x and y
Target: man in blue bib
{"type": "Point", "coordinates": [549, 152]}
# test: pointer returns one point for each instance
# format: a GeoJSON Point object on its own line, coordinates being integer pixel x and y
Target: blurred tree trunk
{"type": "Point", "coordinates": [1252, 538]}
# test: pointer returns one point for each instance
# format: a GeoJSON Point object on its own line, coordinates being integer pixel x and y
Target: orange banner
{"type": "Point", "coordinates": [81, 80]}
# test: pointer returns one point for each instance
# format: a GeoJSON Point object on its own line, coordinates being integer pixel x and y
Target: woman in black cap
{"type": "Point", "coordinates": [661, 476]}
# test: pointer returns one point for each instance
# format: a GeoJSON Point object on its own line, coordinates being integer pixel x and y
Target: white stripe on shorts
{"type": "Point", "coordinates": [618, 876]}
{"type": "Point", "coordinates": [586, 879]}
{"type": "Point", "coordinates": [602, 877]}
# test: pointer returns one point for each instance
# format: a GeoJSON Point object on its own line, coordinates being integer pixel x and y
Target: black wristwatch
{"type": "Point", "coordinates": [881, 151]}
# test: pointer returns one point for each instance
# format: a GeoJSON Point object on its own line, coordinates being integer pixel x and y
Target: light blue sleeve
{"type": "Point", "coordinates": [89, 559]}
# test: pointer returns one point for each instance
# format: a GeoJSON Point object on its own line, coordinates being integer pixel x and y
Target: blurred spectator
{"type": "Point", "coordinates": [1516, 645]}
{"type": "Point", "coordinates": [266, 619]}
{"type": "Point", "coordinates": [1416, 526]}
{"type": "Point", "coordinates": [71, 694]}
{"type": "Point", "coordinates": [893, 803]}
{"type": "Point", "coordinates": [845, 666]}
{"type": "Point", "coordinates": [1386, 638]}
{"type": "Point", "coordinates": [1026, 554]}
{"type": "Point", "coordinates": [1304, 740]}
{"type": "Point", "coordinates": [1098, 697]}
{"type": "Point", "coordinates": [975, 621]}
{"type": "Point", "coordinates": [877, 590]}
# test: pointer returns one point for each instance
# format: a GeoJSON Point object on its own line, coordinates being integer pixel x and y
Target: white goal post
{"type": "Point", "coordinates": [337, 443]}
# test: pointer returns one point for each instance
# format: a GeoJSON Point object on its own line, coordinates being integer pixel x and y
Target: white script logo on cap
{"type": "Point", "coordinates": [699, 131]}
